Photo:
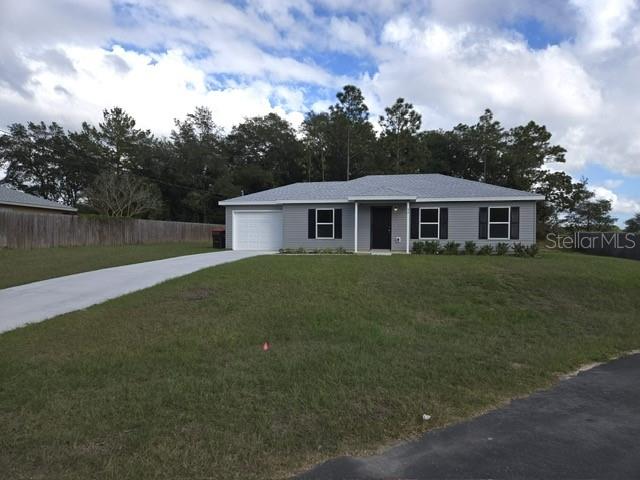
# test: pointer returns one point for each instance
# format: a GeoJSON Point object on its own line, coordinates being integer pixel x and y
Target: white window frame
{"type": "Point", "coordinates": [420, 223]}
{"type": "Point", "coordinates": [489, 223]}
{"type": "Point", "coordinates": [332, 223]}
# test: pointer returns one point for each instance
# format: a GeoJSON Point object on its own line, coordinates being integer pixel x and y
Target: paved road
{"type": "Point", "coordinates": [585, 427]}
{"type": "Point", "coordinates": [38, 301]}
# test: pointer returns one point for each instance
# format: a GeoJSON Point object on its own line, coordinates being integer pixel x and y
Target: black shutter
{"type": "Point", "coordinates": [444, 223]}
{"type": "Point", "coordinates": [337, 228]}
{"type": "Point", "coordinates": [312, 223]}
{"type": "Point", "coordinates": [515, 223]}
{"type": "Point", "coordinates": [483, 223]}
{"type": "Point", "coordinates": [415, 212]}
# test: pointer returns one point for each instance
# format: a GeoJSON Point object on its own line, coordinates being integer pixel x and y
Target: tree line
{"type": "Point", "coordinates": [116, 168]}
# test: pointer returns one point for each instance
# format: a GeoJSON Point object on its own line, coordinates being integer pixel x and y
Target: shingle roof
{"type": "Point", "coordinates": [10, 196]}
{"type": "Point", "coordinates": [412, 187]}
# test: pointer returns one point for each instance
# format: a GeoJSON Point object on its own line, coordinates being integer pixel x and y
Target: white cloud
{"type": "Point", "coordinates": [459, 70]}
{"type": "Point", "coordinates": [451, 59]}
{"type": "Point", "coordinates": [602, 21]}
{"type": "Point", "coordinates": [345, 35]}
{"type": "Point", "coordinates": [620, 205]}
{"type": "Point", "coordinates": [155, 89]}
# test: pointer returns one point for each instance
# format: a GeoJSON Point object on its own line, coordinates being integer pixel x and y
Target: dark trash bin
{"type": "Point", "coordinates": [218, 237]}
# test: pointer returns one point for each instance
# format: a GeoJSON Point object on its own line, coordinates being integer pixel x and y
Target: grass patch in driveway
{"type": "Point", "coordinates": [171, 382]}
{"type": "Point", "coordinates": [25, 266]}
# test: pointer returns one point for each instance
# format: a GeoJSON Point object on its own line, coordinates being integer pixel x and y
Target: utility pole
{"type": "Point", "coordinates": [348, 149]}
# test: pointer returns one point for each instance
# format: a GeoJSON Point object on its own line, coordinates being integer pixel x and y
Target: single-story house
{"type": "Point", "coordinates": [380, 212]}
{"type": "Point", "coordinates": [12, 199]}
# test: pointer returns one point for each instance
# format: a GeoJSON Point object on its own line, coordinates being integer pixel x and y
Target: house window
{"type": "Point", "coordinates": [325, 226]}
{"type": "Point", "coordinates": [429, 223]}
{"type": "Point", "coordinates": [499, 218]}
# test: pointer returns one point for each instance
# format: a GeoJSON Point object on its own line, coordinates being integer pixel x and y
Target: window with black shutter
{"type": "Point", "coordinates": [311, 223]}
{"type": "Point", "coordinates": [429, 223]}
{"type": "Point", "coordinates": [338, 223]}
{"type": "Point", "coordinates": [483, 219]}
{"type": "Point", "coordinates": [415, 223]}
{"type": "Point", "coordinates": [325, 223]}
{"type": "Point", "coordinates": [515, 223]}
{"type": "Point", "coordinates": [444, 223]}
{"type": "Point", "coordinates": [499, 221]}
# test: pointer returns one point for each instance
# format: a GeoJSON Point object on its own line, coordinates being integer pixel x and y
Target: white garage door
{"type": "Point", "coordinates": [257, 230]}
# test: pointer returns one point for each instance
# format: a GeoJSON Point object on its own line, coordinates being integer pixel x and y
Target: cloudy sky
{"type": "Point", "coordinates": [573, 66]}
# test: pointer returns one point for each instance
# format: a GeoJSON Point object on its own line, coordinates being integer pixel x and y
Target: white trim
{"type": "Point", "coordinates": [489, 222]}
{"type": "Point", "coordinates": [481, 199]}
{"type": "Point", "coordinates": [408, 231]}
{"type": "Point", "coordinates": [381, 197]}
{"type": "Point", "coordinates": [332, 223]}
{"type": "Point", "coordinates": [62, 208]}
{"type": "Point", "coordinates": [420, 223]}
{"type": "Point", "coordinates": [258, 211]}
{"type": "Point", "coordinates": [232, 203]}
{"type": "Point", "coordinates": [355, 229]}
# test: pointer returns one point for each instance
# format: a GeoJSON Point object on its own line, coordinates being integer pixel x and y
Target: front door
{"type": "Point", "coordinates": [381, 228]}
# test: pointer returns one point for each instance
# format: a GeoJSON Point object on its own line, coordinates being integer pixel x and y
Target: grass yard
{"type": "Point", "coordinates": [24, 266]}
{"type": "Point", "coordinates": [171, 382]}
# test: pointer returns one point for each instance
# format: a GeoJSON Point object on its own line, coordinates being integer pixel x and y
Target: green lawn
{"type": "Point", "coordinates": [24, 266]}
{"type": "Point", "coordinates": [171, 382]}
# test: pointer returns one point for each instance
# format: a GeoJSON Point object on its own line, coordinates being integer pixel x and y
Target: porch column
{"type": "Point", "coordinates": [355, 230]}
{"type": "Point", "coordinates": [408, 234]}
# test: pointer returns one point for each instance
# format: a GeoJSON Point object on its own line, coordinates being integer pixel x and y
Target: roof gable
{"type": "Point", "coordinates": [410, 187]}
{"type": "Point", "coordinates": [10, 196]}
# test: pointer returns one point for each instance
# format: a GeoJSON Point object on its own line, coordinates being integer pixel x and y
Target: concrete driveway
{"type": "Point", "coordinates": [39, 301]}
{"type": "Point", "coordinates": [585, 427]}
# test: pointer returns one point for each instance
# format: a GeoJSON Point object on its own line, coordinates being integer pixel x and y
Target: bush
{"type": "Point", "coordinates": [485, 250]}
{"type": "Point", "coordinates": [315, 251]}
{"type": "Point", "coordinates": [502, 248]}
{"type": "Point", "coordinates": [451, 248]}
{"type": "Point", "coordinates": [469, 247]}
{"type": "Point", "coordinates": [425, 248]}
{"type": "Point", "coordinates": [431, 248]}
{"type": "Point", "coordinates": [532, 250]}
{"type": "Point", "coordinates": [519, 250]}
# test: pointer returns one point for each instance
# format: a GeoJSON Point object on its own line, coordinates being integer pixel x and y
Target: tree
{"type": "Point", "coordinates": [562, 195]}
{"type": "Point", "coordinates": [352, 139]}
{"type": "Point", "coordinates": [116, 144]}
{"type": "Point", "coordinates": [399, 140]}
{"type": "Point", "coordinates": [633, 224]}
{"type": "Point", "coordinates": [42, 160]}
{"type": "Point", "coordinates": [264, 152]}
{"type": "Point", "coordinates": [123, 195]}
{"type": "Point", "coordinates": [316, 138]}
{"type": "Point", "coordinates": [193, 169]}
{"type": "Point", "coordinates": [527, 148]}
{"type": "Point", "coordinates": [591, 215]}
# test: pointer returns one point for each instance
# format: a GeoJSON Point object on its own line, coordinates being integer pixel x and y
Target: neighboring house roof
{"type": "Point", "coordinates": [12, 197]}
{"type": "Point", "coordinates": [412, 187]}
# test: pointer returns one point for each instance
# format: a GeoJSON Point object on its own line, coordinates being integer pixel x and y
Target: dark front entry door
{"type": "Point", "coordinates": [381, 227]}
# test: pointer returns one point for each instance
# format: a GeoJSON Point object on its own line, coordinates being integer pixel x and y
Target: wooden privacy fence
{"type": "Point", "coordinates": [623, 245]}
{"type": "Point", "coordinates": [37, 230]}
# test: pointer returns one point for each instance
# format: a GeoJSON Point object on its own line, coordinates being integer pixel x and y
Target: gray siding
{"type": "Point", "coordinates": [364, 227]}
{"type": "Point", "coordinates": [399, 227]}
{"type": "Point", "coordinates": [228, 217]}
{"type": "Point", "coordinates": [463, 221]}
{"type": "Point", "coordinates": [463, 224]}
{"type": "Point", "coordinates": [295, 221]}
